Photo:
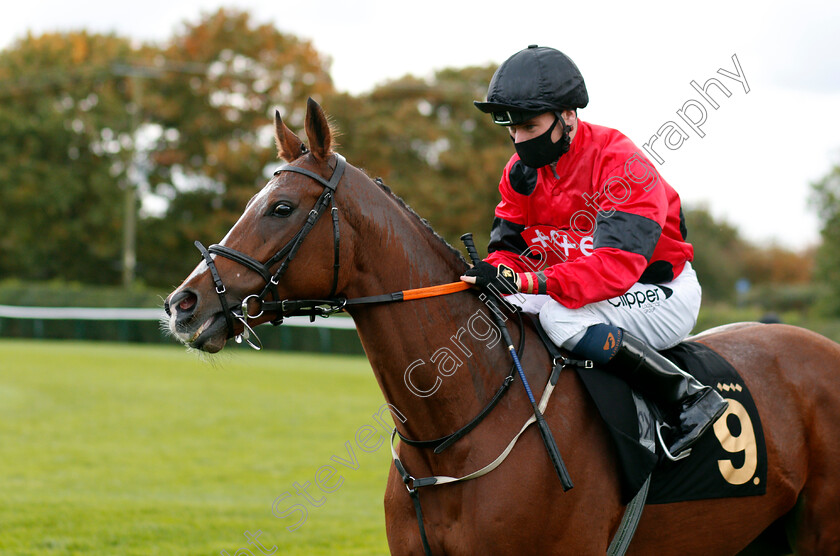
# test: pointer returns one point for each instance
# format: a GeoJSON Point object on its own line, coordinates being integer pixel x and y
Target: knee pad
{"type": "Point", "coordinates": [599, 343]}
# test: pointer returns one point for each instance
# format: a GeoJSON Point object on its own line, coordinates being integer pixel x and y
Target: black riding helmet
{"type": "Point", "coordinates": [532, 81]}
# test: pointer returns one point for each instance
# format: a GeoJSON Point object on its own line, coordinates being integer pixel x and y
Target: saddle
{"type": "Point", "coordinates": [728, 461]}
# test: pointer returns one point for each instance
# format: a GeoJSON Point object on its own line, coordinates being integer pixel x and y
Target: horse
{"type": "Point", "coordinates": [438, 361]}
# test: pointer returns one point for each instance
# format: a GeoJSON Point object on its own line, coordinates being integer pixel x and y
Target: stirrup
{"type": "Point", "coordinates": [682, 455]}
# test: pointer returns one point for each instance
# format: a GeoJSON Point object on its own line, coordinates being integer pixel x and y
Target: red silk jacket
{"type": "Point", "coordinates": [608, 222]}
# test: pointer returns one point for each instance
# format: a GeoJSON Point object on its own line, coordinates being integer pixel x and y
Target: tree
{"type": "Point", "coordinates": [64, 146]}
{"type": "Point", "coordinates": [430, 144]}
{"type": "Point", "coordinates": [779, 279]}
{"type": "Point", "coordinates": [718, 253]}
{"type": "Point", "coordinates": [826, 200]}
{"type": "Point", "coordinates": [218, 82]}
{"type": "Point", "coordinates": [86, 118]}
{"type": "Point", "coordinates": [773, 265]}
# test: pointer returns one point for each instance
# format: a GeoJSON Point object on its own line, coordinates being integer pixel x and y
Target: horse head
{"type": "Point", "coordinates": [284, 246]}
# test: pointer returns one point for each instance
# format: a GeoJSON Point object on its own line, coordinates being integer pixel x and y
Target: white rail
{"type": "Point", "coordinates": [91, 313]}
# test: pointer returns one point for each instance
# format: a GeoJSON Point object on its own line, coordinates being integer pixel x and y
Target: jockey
{"type": "Point", "coordinates": [589, 235]}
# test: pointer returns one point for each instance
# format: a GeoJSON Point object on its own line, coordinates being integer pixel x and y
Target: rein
{"type": "Point", "coordinates": [327, 307]}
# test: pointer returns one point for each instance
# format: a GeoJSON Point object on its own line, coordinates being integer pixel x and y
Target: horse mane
{"type": "Point", "coordinates": [405, 207]}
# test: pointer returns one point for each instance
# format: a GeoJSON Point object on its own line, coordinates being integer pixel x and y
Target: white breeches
{"type": "Point", "coordinates": [662, 315]}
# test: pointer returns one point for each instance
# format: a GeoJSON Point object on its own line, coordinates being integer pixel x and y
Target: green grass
{"type": "Point", "coordinates": [123, 449]}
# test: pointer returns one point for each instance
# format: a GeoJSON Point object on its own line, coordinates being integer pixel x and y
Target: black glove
{"type": "Point", "coordinates": [502, 278]}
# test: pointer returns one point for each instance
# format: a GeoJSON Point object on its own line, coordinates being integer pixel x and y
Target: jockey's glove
{"type": "Point", "coordinates": [504, 280]}
{"type": "Point", "coordinates": [501, 278]}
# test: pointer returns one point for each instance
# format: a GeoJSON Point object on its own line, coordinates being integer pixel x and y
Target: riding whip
{"type": "Point", "coordinates": [545, 432]}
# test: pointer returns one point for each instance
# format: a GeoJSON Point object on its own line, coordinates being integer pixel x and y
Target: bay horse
{"type": "Point", "coordinates": [438, 377]}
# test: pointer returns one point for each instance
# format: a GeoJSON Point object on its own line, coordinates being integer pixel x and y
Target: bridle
{"type": "Point", "coordinates": [300, 307]}
{"type": "Point", "coordinates": [283, 308]}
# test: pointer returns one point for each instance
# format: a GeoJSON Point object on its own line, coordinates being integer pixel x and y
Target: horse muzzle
{"type": "Point", "coordinates": [193, 327]}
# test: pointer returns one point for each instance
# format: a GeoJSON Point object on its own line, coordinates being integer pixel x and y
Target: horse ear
{"type": "Point", "coordinates": [318, 130]}
{"type": "Point", "coordinates": [289, 146]}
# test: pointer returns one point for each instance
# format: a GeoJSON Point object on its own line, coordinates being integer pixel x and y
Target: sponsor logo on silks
{"type": "Point", "coordinates": [555, 245]}
{"type": "Point", "coordinates": [610, 343]}
{"type": "Point", "coordinates": [642, 299]}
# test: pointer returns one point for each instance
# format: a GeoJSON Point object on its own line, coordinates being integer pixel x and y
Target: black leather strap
{"type": "Point", "coordinates": [560, 360]}
{"type": "Point", "coordinates": [336, 247]}
{"type": "Point", "coordinates": [444, 442]}
{"type": "Point", "coordinates": [334, 179]}
{"type": "Point", "coordinates": [220, 286]}
{"type": "Point", "coordinates": [415, 499]}
{"type": "Point", "coordinates": [440, 444]}
{"type": "Point", "coordinates": [241, 258]}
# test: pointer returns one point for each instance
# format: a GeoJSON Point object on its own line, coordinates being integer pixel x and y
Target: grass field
{"type": "Point", "coordinates": [124, 449]}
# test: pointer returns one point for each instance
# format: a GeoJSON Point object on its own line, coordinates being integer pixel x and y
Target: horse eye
{"type": "Point", "coordinates": [282, 209]}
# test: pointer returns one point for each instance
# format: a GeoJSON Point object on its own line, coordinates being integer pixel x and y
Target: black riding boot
{"type": "Point", "coordinates": [696, 405]}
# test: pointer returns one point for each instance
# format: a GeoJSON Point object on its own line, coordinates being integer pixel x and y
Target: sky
{"type": "Point", "coordinates": [760, 149]}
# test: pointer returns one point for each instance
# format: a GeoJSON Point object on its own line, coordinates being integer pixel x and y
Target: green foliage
{"type": "Point", "coordinates": [780, 279]}
{"type": "Point", "coordinates": [718, 314]}
{"type": "Point", "coordinates": [826, 199]}
{"type": "Point", "coordinates": [75, 294]}
{"type": "Point", "coordinates": [718, 251]}
{"type": "Point", "coordinates": [189, 122]}
{"type": "Point", "coordinates": [85, 116]}
{"type": "Point", "coordinates": [62, 131]}
{"type": "Point", "coordinates": [431, 146]}
{"type": "Point", "coordinates": [117, 449]}
{"type": "Point", "coordinates": [786, 297]}
{"type": "Point", "coordinates": [215, 106]}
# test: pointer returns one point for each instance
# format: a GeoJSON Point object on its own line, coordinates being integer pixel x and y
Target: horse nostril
{"type": "Point", "coordinates": [188, 302]}
{"type": "Point", "coordinates": [183, 302]}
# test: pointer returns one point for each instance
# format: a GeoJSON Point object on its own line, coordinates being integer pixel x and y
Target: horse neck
{"type": "Point", "coordinates": [441, 343]}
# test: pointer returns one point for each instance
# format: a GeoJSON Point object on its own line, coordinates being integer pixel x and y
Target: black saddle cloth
{"type": "Point", "coordinates": [730, 460]}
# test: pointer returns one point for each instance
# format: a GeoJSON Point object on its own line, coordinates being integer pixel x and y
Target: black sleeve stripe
{"type": "Point", "coordinates": [658, 272]}
{"type": "Point", "coordinates": [628, 232]}
{"type": "Point", "coordinates": [542, 282]}
{"type": "Point", "coordinates": [505, 236]}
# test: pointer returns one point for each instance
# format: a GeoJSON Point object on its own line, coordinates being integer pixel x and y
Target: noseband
{"type": "Point", "coordinates": [283, 308]}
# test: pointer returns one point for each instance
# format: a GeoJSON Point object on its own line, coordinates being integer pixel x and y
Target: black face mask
{"type": "Point", "coordinates": [542, 151]}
